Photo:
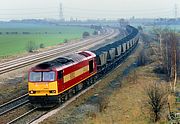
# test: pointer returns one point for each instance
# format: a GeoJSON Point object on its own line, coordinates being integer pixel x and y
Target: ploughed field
{"type": "Point", "coordinates": [14, 38]}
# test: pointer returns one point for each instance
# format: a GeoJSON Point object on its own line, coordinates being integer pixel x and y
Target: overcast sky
{"type": "Point", "coordinates": [87, 9]}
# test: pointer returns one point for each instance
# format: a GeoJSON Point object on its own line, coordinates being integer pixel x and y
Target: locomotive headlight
{"type": "Point", "coordinates": [52, 91]}
{"type": "Point", "coordinates": [32, 92]}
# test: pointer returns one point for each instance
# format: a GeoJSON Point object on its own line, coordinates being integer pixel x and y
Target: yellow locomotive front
{"type": "Point", "coordinates": [42, 87]}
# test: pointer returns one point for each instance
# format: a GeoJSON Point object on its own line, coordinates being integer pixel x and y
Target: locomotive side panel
{"type": "Point", "coordinates": [77, 73]}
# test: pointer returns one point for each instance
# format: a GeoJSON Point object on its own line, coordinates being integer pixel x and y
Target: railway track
{"type": "Point", "coordinates": [11, 108]}
{"type": "Point", "coordinates": [14, 108]}
{"type": "Point", "coordinates": [22, 116]}
{"type": "Point", "coordinates": [13, 104]}
{"type": "Point", "coordinates": [25, 61]}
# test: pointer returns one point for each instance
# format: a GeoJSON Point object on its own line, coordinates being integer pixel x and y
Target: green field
{"type": "Point", "coordinates": [49, 35]}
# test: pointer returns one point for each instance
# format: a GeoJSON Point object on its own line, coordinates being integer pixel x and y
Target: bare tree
{"type": "Point", "coordinates": [166, 63]}
{"type": "Point", "coordinates": [156, 100]}
{"type": "Point", "coordinates": [168, 43]}
{"type": "Point", "coordinates": [158, 31]}
{"type": "Point", "coordinates": [169, 57]}
{"type": "Point", "coordinates": [174, 43]}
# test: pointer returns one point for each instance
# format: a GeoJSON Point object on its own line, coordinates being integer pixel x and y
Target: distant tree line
{"type": "Point", "coordinates": [27, 33]}
{"type": "Point", "coordinates": [96, 27]}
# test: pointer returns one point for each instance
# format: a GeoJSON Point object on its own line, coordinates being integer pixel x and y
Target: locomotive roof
{"type": "Point", "coordinates": [65, 60]}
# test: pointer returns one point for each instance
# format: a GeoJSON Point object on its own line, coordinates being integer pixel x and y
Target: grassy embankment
{"type": "Point", "coordinates": [127, 104]}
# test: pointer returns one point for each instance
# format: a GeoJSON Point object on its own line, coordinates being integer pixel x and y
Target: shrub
{"type": "Point", "coordinates": [65, 40]}
{"type": "Point", "coordinates": [95, 33]}
{"type": "Point", "coordinates": [156, 100]}
{"type": "Point", "coordinates": [41, 45]}
{"type": "Point", "coordinates": [85, 34]}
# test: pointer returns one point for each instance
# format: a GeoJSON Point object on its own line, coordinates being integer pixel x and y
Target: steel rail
{"type": "Point", "coordinates": [25, 114]}
{"type": "Point", "coordinates": [13, 104]}
{"type": "Point", "coordinates": [14, 107]}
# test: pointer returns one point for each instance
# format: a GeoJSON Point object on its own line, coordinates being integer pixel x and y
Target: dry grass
{"type": "Point", "coordinates": [126, 105]}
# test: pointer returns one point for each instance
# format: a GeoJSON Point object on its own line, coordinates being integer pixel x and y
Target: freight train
{"type": "Point", "coordinates": [55, 81]}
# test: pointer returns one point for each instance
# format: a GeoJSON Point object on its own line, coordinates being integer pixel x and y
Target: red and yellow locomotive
{"type": "Point", "coordinates": [49, 81]}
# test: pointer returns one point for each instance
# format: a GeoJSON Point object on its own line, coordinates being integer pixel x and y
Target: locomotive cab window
{"type": "Point", "coordinates": [35, 76]}
{"type": "Point", "coordinates": [42, 76]}
{"type": "Point", "coordinates": [91, 66]}
{"type": "Point", "coordinates": [49, 76]}
{"type": "Point", "coordinates": [60, 74]}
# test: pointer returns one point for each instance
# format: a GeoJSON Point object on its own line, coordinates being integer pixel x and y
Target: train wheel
{"type": "Point", "coordinates": [87, 83]}
{"type": "Point", "coordinates": [80, 86]}
{"type": "Point", "coordinates": [60, 100]}
{"type": "Point", "coordinates": [90, 81]}
{"type": "Point", "coordinates": [74, 90]}
{"type": "Point", "coordinates": [66, 97]}
{"type": "Point", "coordinates": [70, 93]}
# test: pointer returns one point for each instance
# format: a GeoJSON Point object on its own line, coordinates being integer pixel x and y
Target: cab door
{"type": "Point", "coordinates": [60, 80]}
{"type": "Point", "coordinates": [91, 66]}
